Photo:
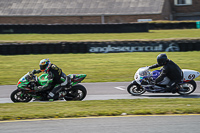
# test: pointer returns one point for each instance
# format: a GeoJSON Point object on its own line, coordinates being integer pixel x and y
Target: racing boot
{"type": "Point", "coordinates": [174, 90]}
{"type": "Point", "coordinates": [168, 89]}
{"type": "Point", "coordinates": [51, 97]}
{"type": "Point", "coordinates": [38, 98]}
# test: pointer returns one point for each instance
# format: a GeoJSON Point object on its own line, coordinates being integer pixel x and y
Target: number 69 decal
{"type": "Point", "coordinates": [191, 76]}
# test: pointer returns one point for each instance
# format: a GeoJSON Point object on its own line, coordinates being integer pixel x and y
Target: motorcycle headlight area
{"type": "Point", "coordinates": [23, 80]}
{"type": "Point", "coordinates": [144, 73]}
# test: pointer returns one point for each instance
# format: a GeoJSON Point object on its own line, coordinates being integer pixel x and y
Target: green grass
{"type": "Point", "coordinates": [35, 110]}
{"type": "Point", "coordinates": [152, 34]}
{"type": "Point", "coordinates": [110, 67]}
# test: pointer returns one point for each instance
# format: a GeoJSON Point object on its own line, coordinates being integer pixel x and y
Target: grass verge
{"type": "Point", "coordinates": [152, 34]}
{"type": "Point", "coordinates": [36, 110]}
{"type": "Point", "coordinates": [110, 67]}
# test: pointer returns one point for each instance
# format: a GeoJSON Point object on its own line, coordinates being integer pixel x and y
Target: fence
{"type": "Point", "coordinates": [180, 25]}
{"type": "Point", "coordinates": [93, 28]}
{"type": "Point", "coordinates": [74, 28]}
{"type": "Point", "coordinates": [99, 47]}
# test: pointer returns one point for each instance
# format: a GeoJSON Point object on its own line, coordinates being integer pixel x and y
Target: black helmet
{"type": "Point", "coordinates": [161, 59]}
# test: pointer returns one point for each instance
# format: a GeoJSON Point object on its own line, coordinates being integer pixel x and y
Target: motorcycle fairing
{"type": "Point", "coordinates": [143, 78]}
{"type": "Point", "coordinates": [42, 80]}
{"type": "Point", "coordinates": [155, 75]}
{"type": "Point", "coordinates": [189, 75]}
{"type": "Point", "coordinates": [76, 78]}
{"type": "Point", "coordinates": [23, 82]}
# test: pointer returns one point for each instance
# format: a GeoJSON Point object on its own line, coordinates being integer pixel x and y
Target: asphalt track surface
{"type": "Point", "coordinates": [125, 124]}
{"type": "Point", "coordinates": [105, 91]}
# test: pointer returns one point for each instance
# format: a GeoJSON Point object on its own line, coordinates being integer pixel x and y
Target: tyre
{"type": "Point", "coordinates": [20, 96]}
{"type": "Point", "coordinates": [135, 89]}
{"type": "Point", "coordinates": [187, 88]}
{"type": "Point", "coordinates": [76, 93]}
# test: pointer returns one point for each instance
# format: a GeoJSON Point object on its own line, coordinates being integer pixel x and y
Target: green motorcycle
{"type": "Point", "coordinates": [25, 91]}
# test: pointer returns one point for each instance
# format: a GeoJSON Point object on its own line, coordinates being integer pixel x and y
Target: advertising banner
{"type": "Point", "coordinates": [137, 47]}
{"type": "Point", "coordinates": [98, 47]}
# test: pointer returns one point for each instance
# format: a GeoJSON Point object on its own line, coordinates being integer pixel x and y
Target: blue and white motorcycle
{"type": "Point", "coordinates": [144, 80]}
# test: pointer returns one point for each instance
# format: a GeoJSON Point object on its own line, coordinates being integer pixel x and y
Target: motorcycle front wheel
{"type": "Point", "coordinates": [20, 96]}
{"type": "Point", "coordinates": [135, 89]}
{"type": "Point", "coordinates": [187, 88]}
{"type": "Point", "coordinates": [76, 93]}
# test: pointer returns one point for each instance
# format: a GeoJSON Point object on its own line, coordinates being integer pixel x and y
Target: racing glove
{"type": "Point", "coordinates": [35, 71]}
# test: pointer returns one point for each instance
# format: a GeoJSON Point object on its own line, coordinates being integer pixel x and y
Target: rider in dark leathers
{"type": "Point", "coordinates": [170, 70]}
{"type": "Point", "coordinates": [54, 77]}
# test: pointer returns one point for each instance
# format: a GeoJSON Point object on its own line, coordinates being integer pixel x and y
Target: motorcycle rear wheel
{"type": "Point", "coordinates": [187, 88]}
{"type": "Point", "coordinates": [20, 96]}
{"type": "Point", "coordinates": [76, 93]}
{"type": "Point", "coordinates": [135, 89]}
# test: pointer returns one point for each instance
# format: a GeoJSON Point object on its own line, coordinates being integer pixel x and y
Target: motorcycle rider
{"type": "Point", "coordinates": [54, 77]}
{"type": "Point", "coordinates": [170, 70]}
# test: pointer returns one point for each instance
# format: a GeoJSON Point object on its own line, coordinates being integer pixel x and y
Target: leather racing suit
{"type": "Point", "coordinates": [172, 71]}
{"type": "Point", "coordinates": [54, 77]}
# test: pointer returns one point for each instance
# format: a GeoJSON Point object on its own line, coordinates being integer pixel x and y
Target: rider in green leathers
{"type": "Point", "coordinates": [54, 77]}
